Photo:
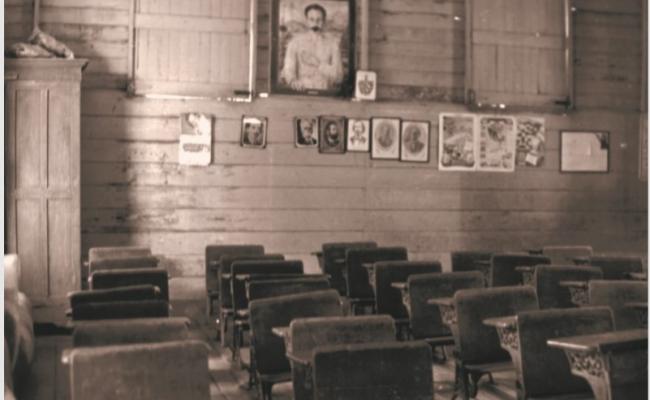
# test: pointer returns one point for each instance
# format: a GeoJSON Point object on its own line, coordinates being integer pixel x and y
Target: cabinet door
{"type": "Point", "coordinates": [42, 185]}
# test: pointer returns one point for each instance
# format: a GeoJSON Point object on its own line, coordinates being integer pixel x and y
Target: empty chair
{"type": "Point", "coordinates": [333, 256]}
{"type": "Point", "coordinates": [121, 310]}
{"type": "Point", "coordinates": [547, 278]}
{"type": "Point", "coordinates": [617, 267]}
{"type": "Point", "coordinates": [564, 255]}
{"type": "Point", "coordinates": [309, 334]}
{"type": "Point", "coordinates": [467, 260]}
{"type": "Point", "coordinates": [213, 255]}
{"type": "Point", "coordinates": [359, 291]}
{"type": "Point", "coordinates": [267, 349]}
{"type": "Point", "coordinates": [378, 371]}
{"type": "Point", "coordinates": [478, 349]}
{"type": "Point", "coordinates": [503, 268]}
{"type": "Point", "coordinates": [114, 332]}
{"type": "Point", "coordinates": [110, 279]}
{"type": "Point", "coordinates": [144, 371]}
{"type": "Point", "coordinates": [615, 294]}
{"type": "Point", "coordinates": [425, 321]}
{"type": "Point", "coordinates": [123, 262]}
{"type": "Point", "coordinates": [388, 300]}
{"type": "Point", "coordinates": [543, 371]}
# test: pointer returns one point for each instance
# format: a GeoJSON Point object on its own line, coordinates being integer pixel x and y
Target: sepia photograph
{"type": "Point", "coordinates": [332, 135]}
{"type": "Point", "coordinates": [385, 138]}
{"type": "Point", "coordinates": [312, 47]}
{"type": "Point", "coordinates": [415, 138]}
{"type": "Point", "coordinates": [253, 132]}
{"type": "Point", "coordinates": [306, 131]}
{"type": "Point", "coordinates": [358, 135]}
{"type": "Point", "coordinates": [325, 200]}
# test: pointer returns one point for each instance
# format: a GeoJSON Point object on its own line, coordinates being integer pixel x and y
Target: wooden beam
{"type": "Point", "coordinates": [365, 29]}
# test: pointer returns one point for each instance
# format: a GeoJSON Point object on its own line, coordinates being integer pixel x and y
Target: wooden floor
{"type": "Point", "coordinates": [48, 381]}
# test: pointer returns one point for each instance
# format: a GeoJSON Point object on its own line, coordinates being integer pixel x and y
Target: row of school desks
{"type": "Point", "coordinates": [310, 338]}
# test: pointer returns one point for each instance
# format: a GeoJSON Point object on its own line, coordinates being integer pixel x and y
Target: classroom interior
{"type": "Point", "coordinates": [453, 204]}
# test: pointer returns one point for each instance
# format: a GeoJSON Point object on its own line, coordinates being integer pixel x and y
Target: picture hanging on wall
{"type": "Point", "coordinates": [332, 135]}
{"type": "Point", "coordinates": [195, 141]}
{"type": "Point", "coordinates": [415, 137]}
{"type": "Point", "coordinates": [306, 131]}
{"type": "Point", "coordinates": [253, 132]}
{"type": "Point", "coordinates": [358, 135]}
{"type": "Point", "coordinates": [456, 142]}
{"type": "Point", "coordinates": [312, 47]}
{"type": "Point", "coordinates": [531, 141]}
{"type": "Point", "coordinates": [366, 85]}
{"type": "Point", "coordinates": [497, 141]}
{"type": "Point", "coordinates": [385, 138]}
{"type": "Point", "coordinates": [584, 151]}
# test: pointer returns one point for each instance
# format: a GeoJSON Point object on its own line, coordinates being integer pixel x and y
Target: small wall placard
{"type": "Point", "coordinates": [584, 151]}
{"type": "Point", "coordinates": [195, 142]}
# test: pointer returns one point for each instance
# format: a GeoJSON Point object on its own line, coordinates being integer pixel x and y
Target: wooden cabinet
{"type": "Point", "coordinates": [42, 175]}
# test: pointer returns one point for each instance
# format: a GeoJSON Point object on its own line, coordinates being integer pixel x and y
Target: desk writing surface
{"type": "Point", "coordinates": [282, 331]}
{"type": "Point", "coordinates": [399, 285]}
{"type": "Point", "coordinates": [574, 284]}
{"type": "Point", "coordinates": [501, 322]}
{"type": "Point", "coordinates": [603, 342]}
{"type": "Point", "coordinates": [442, 301]}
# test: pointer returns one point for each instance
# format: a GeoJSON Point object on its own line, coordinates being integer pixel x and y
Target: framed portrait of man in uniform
{"type": "Point", "coordinates": [312, 47]}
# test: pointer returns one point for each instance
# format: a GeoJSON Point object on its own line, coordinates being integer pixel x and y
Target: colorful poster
{"type": "Point", "coordinates": [497, 140]}
{"type": "Point", "coordinates": [456, 142]}
{"type": "Point", "coordinates": [531, 141]}
{"type": "Point", "coordinates": [195, 143]}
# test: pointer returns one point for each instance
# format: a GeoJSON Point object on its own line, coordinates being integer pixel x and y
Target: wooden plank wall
{"type": "Point", "coordinates": [292, 200]}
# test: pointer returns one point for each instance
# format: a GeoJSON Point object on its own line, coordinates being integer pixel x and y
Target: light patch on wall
{"type": "Point", "coordinates": [195, 143]}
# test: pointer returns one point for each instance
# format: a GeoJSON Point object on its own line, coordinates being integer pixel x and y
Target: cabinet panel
{"type": "Point", "coordinates": [59, 247]}
{"type": "Point", "coordinates": [59, 136]}
{"type": "Point", "coordinates": [30, 240]}
{"type": "Point", "coordinates": [28, 142]}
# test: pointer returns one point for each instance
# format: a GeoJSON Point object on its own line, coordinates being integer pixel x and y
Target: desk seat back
{"type": "Point", "coordinates": [540, 364]}
{"type": "Point", "coordinates": [425, 318]}
{"type": "Point", "coordinates": [161, 371]}
{"type": "Point", "coordinates": [617, 267]}
{"type": "Point", "coordinates": [110, 252]}
{"type": "Point", "coordinates": [358, 286]}
{"type": "Point", "coordinates": [124, 262]}
{"type": "Point", "coordinates": [334, 261]}
{"type": "Point", "coordinates": [127, 331]}
{"type": "Point", "coordinates": [259, 269]}
{"type": "Point", "coordinates": [126, 293]}
{"type": "Point", "coordinates": [214, 252]}
{"type": "Point", "coordinates": [309, 333]}
{"type": "Point", "coordinates": [503, 269]}
{"type": "Point", "coordinates": [121, 310]}
{"type": "Point", "coordinates": [225, 267]}
{"type": "Point", "coordinates": [282, 287]}
{"type": "Point", "coordinates": [110, 279]}
{"type": "Point", "coordinates": [547, 280]}
{"type": "Point", "coordinates": [564, 255]}
{"type": "Point", "coordinates": [476, 342]}
{"type": "Point", "coordinates": [466, 260]}
{"type": "Point", "coordinates": [388, 300]}
{"type": "Point", "coordinates": [378, 371]}
{"type": "Point", "coordinates": [615, 294]}
{"type": "Point", "coordinates": [265, 314]}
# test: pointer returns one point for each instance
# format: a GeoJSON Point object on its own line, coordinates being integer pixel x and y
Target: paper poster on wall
{"type": "Point", "coordinates": [456, 142]}
{"type": "Point", "coordinates": [497, 140]}
{"type": "Point", "coordinates": [531, 141]}
{"type": "Point", "coordinates": [195, 143]}
{"type": "Point", "coordinates": [584, 151]}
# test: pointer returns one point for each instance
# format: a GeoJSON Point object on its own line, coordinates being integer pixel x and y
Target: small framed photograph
{"type": "Point", "coordinates": [584, 151]}
{"type": "Point", "coordinates": [253, 132]}
{"type": "Point", "coordinates": [415, 138]}
{"type": "Point", "coordinates": [385, 138]}
{"type": "Point", "coordinates": [306, 131]}
{"type": "Point", "coordinates": [332, 135]}
{"type": "Point", "coordinates": [358, 135]}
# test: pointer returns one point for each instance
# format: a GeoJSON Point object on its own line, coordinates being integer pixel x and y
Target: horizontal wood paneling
{"type": "Point", "coordinates": [292, 200]}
